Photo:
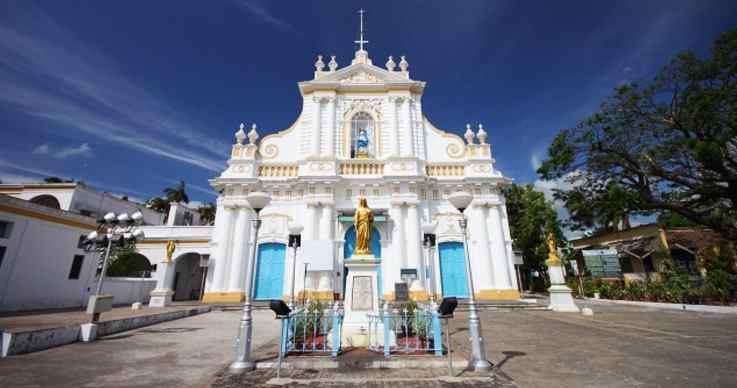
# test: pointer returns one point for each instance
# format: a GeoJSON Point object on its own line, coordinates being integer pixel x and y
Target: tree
{"type": "Point", "coordinates": [531, 218]}
{"type": "Point", "coordinates": [158, 204]}
{"type": "Point", "coordinates": [668, 146]}
{"type": "Point", "coordinates": [177, 193]}
{"type": "Point", "coordinates": [53, 179]}
{"type": "Point", "coordinates": [125, 261]}
{"type": "Point", "coordinates": [207, 213]}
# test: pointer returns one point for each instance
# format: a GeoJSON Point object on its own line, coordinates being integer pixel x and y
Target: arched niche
{"type": "Point", "coordinates": [47, 200]}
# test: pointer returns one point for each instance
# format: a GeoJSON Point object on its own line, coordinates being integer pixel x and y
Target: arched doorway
{"type": "Point", "coordinates": [453, 279]}
{"type": "Point", "coordinates": [188, 277]}
{"type": "Point", "coordinates": [46, 200]}
{"type": "Point", "coordinates": [270, 271]}
{"type": "Point", "coordinates": [350, 244]}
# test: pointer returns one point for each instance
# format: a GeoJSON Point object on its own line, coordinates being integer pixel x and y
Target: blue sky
{"type": "Point", "coordinates": [132, 96]}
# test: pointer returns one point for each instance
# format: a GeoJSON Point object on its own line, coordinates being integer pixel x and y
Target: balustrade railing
{"type": "Point", "coordinates": [445, 170]}
{"type": "Point", "coordinates": [278, 170]}
{"type": "Point", "coordinates": [361, 167]}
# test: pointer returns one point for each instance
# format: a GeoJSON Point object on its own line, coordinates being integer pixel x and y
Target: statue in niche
{"type": "Point", "coordinates": [362, 144]}
{"type": "Point", "coordinates": [363, 221]}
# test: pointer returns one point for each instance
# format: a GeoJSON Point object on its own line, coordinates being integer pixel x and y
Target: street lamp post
{"type": "Point", "coordinates": [460, 200]}
{"type": "Point", "coordinates": [429, 243]}
{"type": "Point", "coordinates": [112, 232]}
{"type": "Point", "coordinates": [256, 201]}
{"type": "Point", "coordinates": [295, 241]}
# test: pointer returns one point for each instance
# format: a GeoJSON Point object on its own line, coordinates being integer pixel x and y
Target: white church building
{"type": "Point", "coordinates": [362, 133]}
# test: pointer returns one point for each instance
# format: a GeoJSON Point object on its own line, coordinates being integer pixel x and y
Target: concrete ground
{"type": "Point", "coordinates": [620, 346]}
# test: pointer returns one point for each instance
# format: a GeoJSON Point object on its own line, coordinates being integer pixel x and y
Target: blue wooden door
{"type": "Point", "coordinates": [453, 270]}
{"type": "Point", "coordinates": [270, 271]}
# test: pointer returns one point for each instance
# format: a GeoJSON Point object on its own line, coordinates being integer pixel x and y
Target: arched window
{"type": "Point", "coordinates": [46, 200]}
{"type": "Point", "coordinates": [362, 135]}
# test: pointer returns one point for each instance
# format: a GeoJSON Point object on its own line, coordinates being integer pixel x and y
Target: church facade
{"type": "Point", "coordinates": [362, 133]}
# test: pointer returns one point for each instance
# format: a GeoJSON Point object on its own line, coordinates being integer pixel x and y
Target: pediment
{"type": "Point", "coordinates": [361, 74]}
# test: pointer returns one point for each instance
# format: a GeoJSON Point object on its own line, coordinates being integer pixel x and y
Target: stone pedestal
{"type": "Point", "coordinates": [162, 295]}
{"type": "Point", "coordinates": [561, 297]}
{"type": "Point", "coordinates": [361, 298]}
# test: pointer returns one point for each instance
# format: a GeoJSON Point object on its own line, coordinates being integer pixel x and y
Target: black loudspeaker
{"type": "Point", "coordinates": [279, 308]}
{"type": "Point", "coordinates": [447, 306]}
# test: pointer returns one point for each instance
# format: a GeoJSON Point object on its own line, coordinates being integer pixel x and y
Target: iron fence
{"type": "Point", "coordinates": [405, 331]}
{"type": "Point", "coordinates": [309, 330]}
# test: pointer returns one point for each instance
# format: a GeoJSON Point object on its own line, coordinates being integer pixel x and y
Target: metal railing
{"type": "Point", "coordinates": [306, 330]}
{"type": "Point", "coordinates": [405, 331]}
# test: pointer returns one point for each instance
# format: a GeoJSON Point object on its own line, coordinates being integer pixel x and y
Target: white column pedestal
{"type": "Point", "coordinates": [561, 297]}
{"type": "Point", "coordinates": [162, 295]}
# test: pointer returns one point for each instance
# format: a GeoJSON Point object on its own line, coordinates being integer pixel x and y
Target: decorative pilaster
{"type": "Point", "coordinates": [330, 129]}
{"type": "Point", "coordinates": [240, 251]}
{"type": "Point", "coordinates": [414, 252]}
{"type": "Point", "coordinates": [394, 126]}
{"type": "Point", "coordinates": [222, 237]}
{"type": "Point", "coordinates": [409, 138]}
{"type": "Point", "coordinates": [311, 224]}
{"type": "Point", "coordinates": [485, 277]}
{"type": "Point", "coordinates": [502, 275]}
{"type": "Point", "coordinates": [316, 126]}
{"type": "Point", "coordinates": [327, 222]}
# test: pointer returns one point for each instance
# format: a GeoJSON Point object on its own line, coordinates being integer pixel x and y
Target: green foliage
{"type": "Point", "coordinates": [158, 204]}
{"type": "Point", "coordinates": [666, 146]}
{"type": "Point", "coordinates": [177, 193]}
{"type": "Point", "coordinates": [207, 213]}
{"type": "Point", "coordinates": [531, 218]}
{"type": "Point", "coordinates": [126, 261]}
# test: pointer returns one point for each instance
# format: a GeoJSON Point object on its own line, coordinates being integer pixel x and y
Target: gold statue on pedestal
{"type": "Point", "coordinates": [553, 258]}
{"type": "Point", "coordinates": [363, 220]}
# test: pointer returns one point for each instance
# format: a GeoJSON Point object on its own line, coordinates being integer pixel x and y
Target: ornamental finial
{"type": "Point", "coordinates": [469, 134]}
{"type": "Point", "coordinates": [240, 135]}
{"type": "Point", "coordinates": [481, 134]}
{"type": "Point", "coordinates": [252, 134]}
{"type": "Point", "coordinates": [319, 64]}
{"type": "Point", "coordinates": [332, 65]}
{"type": "Point", "coordinates": [403, 64]}
{"type": "Point", "coordinates": [390, 64]}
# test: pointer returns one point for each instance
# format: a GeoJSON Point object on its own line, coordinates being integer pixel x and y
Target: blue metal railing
{"type": "Point", "coordinates": [404, 331]}
{"type": "Point", "coordinates": [306, 331]}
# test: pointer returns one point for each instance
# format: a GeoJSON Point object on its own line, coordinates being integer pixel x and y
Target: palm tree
{"type": "Point", "coordinates": [207, 213]}
{"type": "Point", "coordinates": [177, 193]}
{"type": "Point", "coordinates": [159, 204]}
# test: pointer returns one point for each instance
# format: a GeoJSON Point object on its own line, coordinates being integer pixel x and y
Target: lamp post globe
{"type": "Point", "coordinates": [257, 201]}
{"type": "Point", "coordinates": [461, 200]}
{"type": "Point", "coordinates": [110, 217]}
{"type": "Point", "coordinates": [137, 217]}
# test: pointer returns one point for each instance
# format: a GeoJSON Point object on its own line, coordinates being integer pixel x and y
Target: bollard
{"type": "Point", "coordinates": [387, 343]}
{"type": "Point", "coordinates": [437, 334]}
{"type": "Point", "coordinates": [336, 333]}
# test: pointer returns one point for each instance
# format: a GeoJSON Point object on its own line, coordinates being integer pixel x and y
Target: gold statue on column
{"type": "Point", "coordinates": [170, 247]}
{"type": "Point", "coordinates": [363, 220]}
{"type": "Point", "coordinates": [553, 258]}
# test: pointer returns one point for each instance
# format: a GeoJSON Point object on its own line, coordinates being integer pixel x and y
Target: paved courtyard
{"type": "Point", "coordinates": [620, 346]}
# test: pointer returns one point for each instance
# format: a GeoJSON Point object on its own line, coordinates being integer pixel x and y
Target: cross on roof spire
{"type": "Point", "coordinates": [361, 41]}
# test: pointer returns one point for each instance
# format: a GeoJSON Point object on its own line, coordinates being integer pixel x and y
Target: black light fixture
{"type": "Point", "coordinates": [279, 308]}
{"type": "Point", "coordinates": [448, 306]}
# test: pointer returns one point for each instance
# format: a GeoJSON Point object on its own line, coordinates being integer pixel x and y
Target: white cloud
{"type": "Point", "coordinates": [41, 150]}
{"type": "Point", "coordinates": [262, 13]}
{"type": "Point", "coordinates": [627, 69]}
{"type": "Point", "coordinates": [46, 73]}
{"type": "Point", "coordinates": [548, 187]}
{"type": "Point", "coordinates": [83, 150]}
{"type": "Point", "coordinates": [535, 161]}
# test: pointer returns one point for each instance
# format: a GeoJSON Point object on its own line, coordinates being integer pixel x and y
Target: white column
{"type": "Point", "coordinates": [310, 231]}
{"type": "Point", "coordinates": [316, 126]}
{"type": "Point", "coordinates": [409, 139]}
{"type": "Point", "coordinates": [394, 127]}
{"type": "Point", "coordinates": [502, 276]}
{"type": "Point", "coordinates": [326, 222]}
{"type": "Point", "coordinates": [236, 281]}
{"type": "Point", "coordinates": [223, 227]}
{"type": "Point", "coordinates": [484, 279]}
{"type": "Point", "coordinates": [401, 234]}
{"type": "Point", "coordinates": [330, 129]}
{"type": "Point", "coordinates": [394, 264]}
{"type": "Point", "coordinates": [414, 248]}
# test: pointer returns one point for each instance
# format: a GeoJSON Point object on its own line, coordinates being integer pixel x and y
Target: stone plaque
{"type": "Point", "coordinates": [363, 293]}
{"type": "Point", "coordinates": [401, 292]}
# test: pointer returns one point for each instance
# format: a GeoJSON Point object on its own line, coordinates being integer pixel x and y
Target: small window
{"type": "Point", "coordinates": [2, 255]}
{"type": "Point", "coordinates": [80, 243]}
{"type": "Point", "coordinates": [76, 267]}
{"type": "Point", "coordinates": [6, 228]}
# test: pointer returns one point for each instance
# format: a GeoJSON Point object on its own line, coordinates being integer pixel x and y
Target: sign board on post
{"type": "Point", "coordinates": [602, 262]}
{"type": "Point", "coordinates": [408, 275]}
{"type": "Point", "coordinates": [401, 292]}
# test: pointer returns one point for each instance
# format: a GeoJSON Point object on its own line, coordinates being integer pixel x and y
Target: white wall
{"type": "Point", "coordinates": [35, 271]}
{"type": "Point", "coordinates": [124, 290]}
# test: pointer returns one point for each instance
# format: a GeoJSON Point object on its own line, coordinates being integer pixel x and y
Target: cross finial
{"type": "Point", "coordinates": [361, 41]}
